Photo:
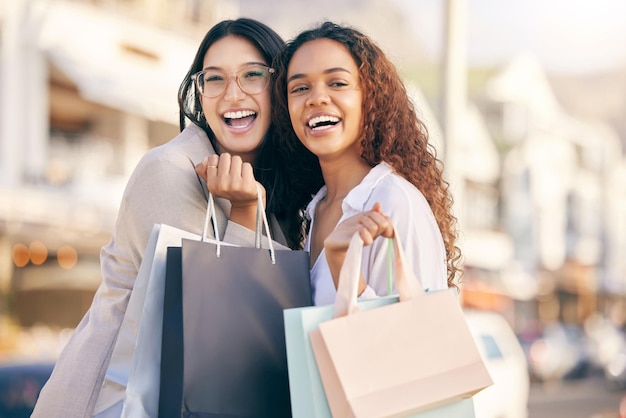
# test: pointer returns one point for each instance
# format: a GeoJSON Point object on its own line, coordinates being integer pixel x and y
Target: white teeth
{"type": "Point", "coordinates": [238, 115]}
{"type": "Point", "coordinates": [319, 119]}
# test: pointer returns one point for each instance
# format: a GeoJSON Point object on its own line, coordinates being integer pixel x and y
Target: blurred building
{"type": "Point", "coordinates": [562, 198]}
{"type": "Point", "coordinates": [86, 88]}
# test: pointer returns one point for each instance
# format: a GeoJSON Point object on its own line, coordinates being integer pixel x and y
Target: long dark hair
{"type": "Point", "coordinates": [391, 130]}
{"type": "Point", "coordinates": [267, 164]}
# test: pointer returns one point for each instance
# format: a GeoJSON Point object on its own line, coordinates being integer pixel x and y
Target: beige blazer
{"type": "Point", "coordinates": [163, 188]}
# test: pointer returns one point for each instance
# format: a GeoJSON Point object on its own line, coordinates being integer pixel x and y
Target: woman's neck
{"type": "Point", "coordinates": [340, 177]}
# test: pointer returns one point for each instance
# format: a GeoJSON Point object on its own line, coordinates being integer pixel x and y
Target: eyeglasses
{"type": "Point", "coordinates": [252, 79]}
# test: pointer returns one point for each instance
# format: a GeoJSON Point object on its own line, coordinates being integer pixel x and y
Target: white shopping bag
{"type": "Point", "coordinates": [142, 326]}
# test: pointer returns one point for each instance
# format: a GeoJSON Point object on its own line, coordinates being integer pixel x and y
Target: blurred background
{"type": "Point", "coordinates": [525, 102]}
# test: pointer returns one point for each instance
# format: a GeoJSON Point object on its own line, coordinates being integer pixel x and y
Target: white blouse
{"type": "Point", "coordinates": [415, 225]}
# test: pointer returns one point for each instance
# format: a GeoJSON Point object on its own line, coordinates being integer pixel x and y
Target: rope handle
{"type": "Point", "coordinates": [261, 223]}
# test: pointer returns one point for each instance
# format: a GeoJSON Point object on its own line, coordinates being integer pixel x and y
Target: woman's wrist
{"type": "Point", "coordinates": [244, 215]}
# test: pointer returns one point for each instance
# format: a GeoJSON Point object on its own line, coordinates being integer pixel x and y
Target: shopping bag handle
{"type": "Point", "coordinates": [348, 287]}
{"type": "Point", "coordinates": [261, 223]}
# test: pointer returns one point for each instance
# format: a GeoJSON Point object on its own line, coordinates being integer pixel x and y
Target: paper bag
{"type": "Point", "coordinates": [144, 312]}
{"type": "Point", "coordinates": [399, 359]}
{"type": "Point", "coordinates": [235, 361]}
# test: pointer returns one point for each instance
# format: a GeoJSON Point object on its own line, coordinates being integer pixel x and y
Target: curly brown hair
{"type": "Point", "coordinates": [391, 131]}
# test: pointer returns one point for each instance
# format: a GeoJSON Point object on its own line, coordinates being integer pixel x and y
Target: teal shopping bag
{"type": "Point", "coordinates": [305, 385]}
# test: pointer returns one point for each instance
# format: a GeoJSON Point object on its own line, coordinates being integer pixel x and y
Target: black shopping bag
{"type": "Point", "coordinates": [171, 384]}
{"type": "Point", "coordinates": [232, 298]}
{"type": "Point", "coordinates": [235, 361]}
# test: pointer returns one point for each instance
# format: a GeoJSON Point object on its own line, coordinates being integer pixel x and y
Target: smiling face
{"type": "Point", "coordinates": [239, 120]}
{"type": "Point", "coordinates": [324, 99]}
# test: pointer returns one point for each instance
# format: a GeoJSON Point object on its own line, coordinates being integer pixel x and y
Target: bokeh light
{"type": "Point", "coordinates": [67, 257]}
{"type": "Point", "coordinates": [38, 252]}
{"type": "Point", "coordinates": [20, 255]}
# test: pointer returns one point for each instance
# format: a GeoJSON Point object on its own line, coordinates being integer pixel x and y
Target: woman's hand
{"type": "Point", "coordinates": [369, 224]}
{"type": "Point", "coordinates": [231, 178]}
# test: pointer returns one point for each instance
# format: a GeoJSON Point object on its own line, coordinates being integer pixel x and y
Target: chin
{"type": "Point", "coordinates": [241, 148]}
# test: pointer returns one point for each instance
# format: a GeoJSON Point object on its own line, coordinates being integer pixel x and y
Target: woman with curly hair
{"type": "Point", "coordinates": [355, 142]}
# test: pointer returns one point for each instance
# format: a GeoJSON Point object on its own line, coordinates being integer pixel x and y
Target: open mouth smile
{"type": "Point", "coordinates": [240, 118]}
{"type": "Point", "coordinates": [318, 123]}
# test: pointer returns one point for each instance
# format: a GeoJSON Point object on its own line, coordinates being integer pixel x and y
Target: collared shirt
{"type": "Point", "coordinates": [415, 225]}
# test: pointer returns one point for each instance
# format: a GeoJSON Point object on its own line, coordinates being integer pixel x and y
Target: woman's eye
{"type": "Point", "coordinates": [212, 78]}
{"type": "Point", "coordinates": [298, 89]}
{"type": "Point", "coordinates": [253, 74]}
{"type": "Point", "coordinates": [338, 84]}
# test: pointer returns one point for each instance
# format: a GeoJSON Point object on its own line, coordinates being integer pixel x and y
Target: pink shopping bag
{"type": "Point", "coordinates": [399, 359]}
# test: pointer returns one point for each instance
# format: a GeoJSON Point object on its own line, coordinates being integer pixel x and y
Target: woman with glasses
{"type": "Point", "coordinates": [226, 97]}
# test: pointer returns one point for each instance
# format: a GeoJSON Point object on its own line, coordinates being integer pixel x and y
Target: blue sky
{"type": "Point", "coordinates": [572, 36]}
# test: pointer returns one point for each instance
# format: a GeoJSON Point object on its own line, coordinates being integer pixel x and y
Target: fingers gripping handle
{"type": "Point", "coordinates": [347, 289]}
{"type": "Point", "coordinates": [261, 223]}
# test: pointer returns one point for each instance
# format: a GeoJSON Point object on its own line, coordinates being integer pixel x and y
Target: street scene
{"type": "Point", "coordinates": [584, 398]}
{"type": "Point", "coordinates": [528, 125]}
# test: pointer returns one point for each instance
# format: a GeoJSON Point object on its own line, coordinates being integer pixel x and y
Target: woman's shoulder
{"type": "Point", "coordinates": [390, 187]}
{"type": "Point", "coordinates": [191, 144]}
{"type": "Point", "coordinates": [172, 164]}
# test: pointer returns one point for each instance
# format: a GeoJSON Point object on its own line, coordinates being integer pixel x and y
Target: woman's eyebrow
{"type": "Point", "coordinates": [295, 77]}
{"type": "Point", "coordinates": [327, 71]}
{"type": "Point", "coordinates": [247, 64]}
{"type": "Point", "coordinates": [336, 69]}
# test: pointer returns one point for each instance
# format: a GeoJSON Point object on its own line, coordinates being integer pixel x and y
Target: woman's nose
{"type": "Point", "coordinates": [318, 95]}
{"type": "Point", "coordinates": [233, 91]}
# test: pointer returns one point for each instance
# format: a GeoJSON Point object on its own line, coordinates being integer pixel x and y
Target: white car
{"type": "Point", "coordinates": [507, 364]}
